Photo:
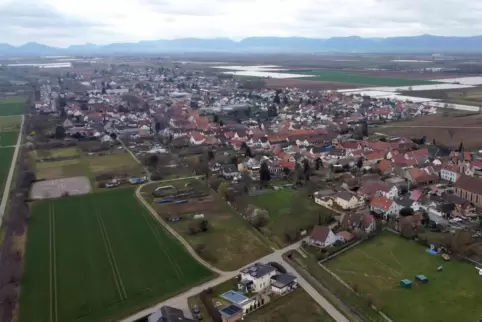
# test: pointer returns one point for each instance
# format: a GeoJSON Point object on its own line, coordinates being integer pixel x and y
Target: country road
{"type": "Point", "coordinates": [8, 182]}
{"type": "Point", "coordinates": [180, 301]}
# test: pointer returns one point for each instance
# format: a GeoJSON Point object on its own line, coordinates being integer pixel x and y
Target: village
{"type": "Point", "coordinates": [237, 170]}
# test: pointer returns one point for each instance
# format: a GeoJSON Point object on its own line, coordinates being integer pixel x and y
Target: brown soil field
{"type": "Point", "coordinates": [409, 75]}
{"type": "Point", "coordinates": [449, 130]}
{"type": "Point", "coordinates": [309, 84]}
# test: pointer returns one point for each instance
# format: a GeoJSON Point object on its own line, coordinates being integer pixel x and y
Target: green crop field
{"type": "Point", "coordinates": [12, 105]}
{"type": "Point", "coordinates": [343, 77]}
{"type": "Point", "coordinates": [8, 138]}
{"type": "Point", "coordinates": [100, 257]}
{"type": "Point", "coordinates": [376, 267]}
{"type": "Point", "coordinates": [6, 155]}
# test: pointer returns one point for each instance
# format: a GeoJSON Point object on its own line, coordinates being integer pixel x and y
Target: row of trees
{"type": "Point", "coordinates": [15, 222]}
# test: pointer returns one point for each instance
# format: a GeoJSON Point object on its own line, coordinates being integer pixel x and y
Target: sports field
{"type": "Point", "coordinates": [14, 105]}
{"type": "Point", "coordinates": [343, 77]}
{"type": "Point", "coordinates": [376, 267]}
{"type": "Point", "coordinates": [99, 257]}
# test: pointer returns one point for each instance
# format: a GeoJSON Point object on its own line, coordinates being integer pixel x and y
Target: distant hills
{"type": "Point", "coordinates": [415, 44]}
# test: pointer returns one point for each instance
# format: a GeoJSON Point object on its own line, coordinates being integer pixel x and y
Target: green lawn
{"type": "Point", "coordinates": [6, 155]}
{"type": "Point", "coordinates": [230, 241]}
{"type": "Point", "coordinates": [289, 211]}
{"type": "Point", "coordinates": [343, 77]}
{"type": "Point", "coordinates": [12, 105]}
{"type": "Point", "coordinates": [8, 138]}
{"type": "Point", "coordinates": [376, 267]}
{"type": "Point", "coordinates": [100, 257]}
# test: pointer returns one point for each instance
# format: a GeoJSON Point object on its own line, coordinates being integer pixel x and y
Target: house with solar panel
{"type": "Point", "coordinates": [256, 277]}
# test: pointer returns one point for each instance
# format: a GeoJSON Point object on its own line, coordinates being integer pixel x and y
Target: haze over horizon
{"type": "Point", "coordinates": [63, 23]}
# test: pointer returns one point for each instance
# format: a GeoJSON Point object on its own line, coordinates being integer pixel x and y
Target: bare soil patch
{"type": "Point", "coordinates": [309, 84]}
{"type": "Point", "coordinates": [408, 75]}
{"type": "Point", "coordinates": [59, 187]}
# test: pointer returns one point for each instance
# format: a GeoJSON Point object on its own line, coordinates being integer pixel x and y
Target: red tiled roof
{"type": "Point", "coordinates": [367, 219]}
{"type": "Point", "coordinates": [320, 233]}
{"type": "Point", "coordinates": [470, 184]}
{"type": "Point", "coordinates": [375, 156]}
{"type": "Point", "coordinates": [381, 202]}
{"type": "Point", "coordinates": [197, 136]}
{"type": "Point", "coordinates": [346, 235]}
{"type": "Point", "coordinates": [287, 164]}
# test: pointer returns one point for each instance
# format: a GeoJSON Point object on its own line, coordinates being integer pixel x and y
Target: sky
{"type": "Point", "coordinates": [68, 22]}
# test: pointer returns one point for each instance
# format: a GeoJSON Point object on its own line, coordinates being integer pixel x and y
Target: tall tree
{"type": "Point", "coordinates": [277, 99]}
{"type": "Point", "coordinates": [461, 146]}
{"type": "Point", "coordinates": [264, 174]}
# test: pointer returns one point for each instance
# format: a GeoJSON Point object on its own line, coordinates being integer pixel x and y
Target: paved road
{"type": "Point", "coordinates": [8, 183]}
{"type": "Point", "coordinates": [180, 301]}
{"type": "Point", "coordinates": [135, 158]}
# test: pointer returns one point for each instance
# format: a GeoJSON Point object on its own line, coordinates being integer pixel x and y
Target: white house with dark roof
{"type": "Point", "coordinates": [256, 277]}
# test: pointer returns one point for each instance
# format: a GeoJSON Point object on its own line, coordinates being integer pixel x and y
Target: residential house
{"type": "Point", "coordinates": [168, 314]}
{"type": "Point", "coordinates": [470, 189]}
{"type": "Point", "coordinates": [283, 283]}
{"type": "Point", "coordinates": [371, 188]}
{"type": "Point", "coordinates": [229, 171]}
{"type": "Point", "coordinates": [256, 277]}
{"type": "Point", "coordinates": [364, 221]}
{"type": "Point", "coordinates": [403, 202]}
{"type": "Point", "coordinates": [374, 157]}
{"type": "Point", "coordinates": [450, 173]}
{"type": "Point", "coordinates": [196, 138]}
{"type": "Point", "coordinates": [347, 200]}
{"type": "Point", "coordinates": [322, 236]}
{"type": "Point", "coordinates": [381, 205]}
{"type": "Point", "coordinates": [345, 236]}
{"type": "Point", "coordinates": [231, 313]}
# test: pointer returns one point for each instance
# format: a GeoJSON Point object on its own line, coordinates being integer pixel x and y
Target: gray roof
{"type": "Point", "coordinates": [258, 270]}
{"type": "Point", "coordinates": [282, 280]}
{"type": "Point", "coordinates": [168, 314]}
{"type": "Point", "coordinates": [404, 202]}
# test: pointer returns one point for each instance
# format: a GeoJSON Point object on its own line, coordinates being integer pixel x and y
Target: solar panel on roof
{"type": "Point", "coordinates": [231, 310]}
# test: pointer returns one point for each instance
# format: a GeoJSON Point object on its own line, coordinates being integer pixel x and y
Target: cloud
{"type": "Point", "coordinates": [61, 22]}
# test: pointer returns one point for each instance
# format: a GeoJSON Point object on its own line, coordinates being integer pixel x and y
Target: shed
{"type": "Point", "coordinates": [422, 278]}
{"type": "Point", "coordinates": [406, 283]}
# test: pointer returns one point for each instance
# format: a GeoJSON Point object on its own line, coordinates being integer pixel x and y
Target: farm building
{"type": "Point", "coordinates": [406, 283]}
{"type": "Point", "coordinates": [422, 278]}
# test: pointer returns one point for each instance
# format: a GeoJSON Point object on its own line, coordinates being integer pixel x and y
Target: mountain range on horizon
{"type": "Point", "coordinates": [353, 44]}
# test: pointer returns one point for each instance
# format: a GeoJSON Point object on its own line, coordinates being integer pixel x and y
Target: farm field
{"type": "Point", "coordinates": [99, 257]}
{"type": "Point", "coordinates": [376, 267]}
{"type": "Point", "coordinates": [353, 78]}
{"type": "Point", "coordinates": [289, 212]}
{"type": "Point", "coordinates": [229, 243]}
{"type": "Point", "coordinates": [12, 105]}
{"type": "Point", "coordinates": [71, 162]}
{"type": "Point", "coordinates": [446, 130]}
{"type": "Point", "coordinates": [8, 138]}
{"type": "Point", "coordinates": [308, 83]}
{"type": "Point", "coordinates": [296, 306]}
{"type": "Point", "coordinates": [10, 123]}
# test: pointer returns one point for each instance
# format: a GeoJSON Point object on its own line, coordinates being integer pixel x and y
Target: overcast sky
{"type": "Point", "coordinates": [65, 22]}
